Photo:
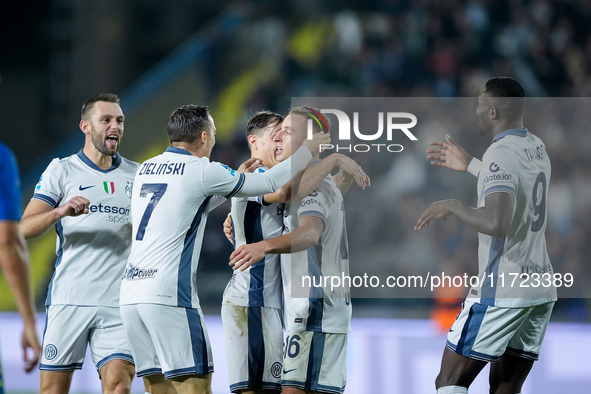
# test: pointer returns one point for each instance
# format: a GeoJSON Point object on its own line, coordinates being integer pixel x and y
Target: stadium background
{"type": "Point", "coordinates": [239, 57]}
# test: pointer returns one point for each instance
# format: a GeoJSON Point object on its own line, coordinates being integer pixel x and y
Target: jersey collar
{"type": "Point", "coordinates": [88, 162]}
{"type": "Point", "coordinates": [517, 132]}
{"type": "Point", "coordinates": [173, 149]}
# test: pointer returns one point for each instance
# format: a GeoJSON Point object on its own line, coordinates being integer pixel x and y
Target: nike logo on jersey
{"type": "Point", "coordinates": [84, 188]}
{"type": "Point", "coordinates": [289, 370]}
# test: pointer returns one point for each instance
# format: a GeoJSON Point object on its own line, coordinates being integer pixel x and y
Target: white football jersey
{"type": "Point", "coordinates": [91, 249]}
{"type": "Point", "coordinates": [308, 307]}
{"type": "Point", "coordinates": [516, 163]}
{"type": "Point", "coordinates": [254, 221]}
{"type": "Point", "coordinates": [173, 194]}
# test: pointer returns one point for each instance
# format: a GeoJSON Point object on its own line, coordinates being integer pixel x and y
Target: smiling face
{"type": "Point", "coordinates": [105, 127]}
{"type": "Point", "coordinates": [263, 145]}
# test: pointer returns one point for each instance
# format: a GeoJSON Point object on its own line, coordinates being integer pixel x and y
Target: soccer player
{"type": "Point", "coordinates": [252, 304]}
{"type": "Point", "coordinates": [87, 197]}
{"type": "Point", "coordinates": [498, 323]}
{"type": "Point", "coordinates": [317, 325]}
{"type": "Point", "coordinates": [14, 256]}
{"type": "Point", "coordinates": [173, 194]}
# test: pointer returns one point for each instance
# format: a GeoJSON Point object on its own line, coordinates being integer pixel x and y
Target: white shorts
{"type": "Point", "coordinates": [484, 332]}
{"type": "Point", "coordinates": [68, 330]}
{"type": "Point", "coordinates": [315, 361]}
{"type": "Point", "coordinates": [167, 340]}
{"type": "Point", "coordinates": [254, 345]}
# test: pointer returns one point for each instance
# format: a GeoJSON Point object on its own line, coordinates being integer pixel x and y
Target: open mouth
{"type": "Point", "coordinates": [112, 141]}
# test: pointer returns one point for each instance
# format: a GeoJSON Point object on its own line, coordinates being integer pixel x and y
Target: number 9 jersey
{"type": "Point", "coordinates": [516, 163]}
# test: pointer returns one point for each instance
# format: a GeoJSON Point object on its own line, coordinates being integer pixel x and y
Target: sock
{"type": "Point", "coordinates": [452, 390]}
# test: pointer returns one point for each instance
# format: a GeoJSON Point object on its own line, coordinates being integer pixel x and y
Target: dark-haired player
{"type": "Point", "coordinates": [501, 321]}
{"type": "Point", "coordinates": [172, 197]}
{"type": "Point", "coordinates": [87, 198]}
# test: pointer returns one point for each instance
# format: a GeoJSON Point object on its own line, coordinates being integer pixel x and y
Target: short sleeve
{"type": "Point", "coordinates": [48, 189]}
{"type": "Point", "coordinates": [499, 171]}
{"type": "Point", "coordinates": [313, 205]}
{"type": "Point", "coordinates": [10, 192]}
{"type": "Point", "coordinates": [219, 179]}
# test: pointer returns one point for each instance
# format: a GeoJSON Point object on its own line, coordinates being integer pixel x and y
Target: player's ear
{"type": "Point", "coordinates": [84, 126]}
{"type": "Point", "coordinates": [203, 137]}
{"type": "Point", "coordinates": [252, 141]}
{"type": "Point", "coordinates": [494, 113]}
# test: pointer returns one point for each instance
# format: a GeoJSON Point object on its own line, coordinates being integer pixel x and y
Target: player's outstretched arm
{"type": "Point", "coordinates": [302, 238]}
{"type": "Point", "coordinates": [39, 216]}
{"type": "Point", "coordinates": [14, 259]}
{"type": "Point", "coordinates": [449, 154]}
{"type": "Point", "coordinates": [493, 219]}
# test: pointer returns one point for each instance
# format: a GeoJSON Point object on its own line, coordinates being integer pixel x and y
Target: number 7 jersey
{"type": "Point", "coordinates": [174, 193]}
{"type": "Point", "coordinates": [515, 270]}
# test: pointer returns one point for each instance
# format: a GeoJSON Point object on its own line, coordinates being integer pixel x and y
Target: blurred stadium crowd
{"type": "Point", "coordinates": [424, 48]}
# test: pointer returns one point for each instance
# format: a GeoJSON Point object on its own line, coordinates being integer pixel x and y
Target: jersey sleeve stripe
{"type": "Point", "coordinates": [312, 213]}
{"type": "Point", "coordinates": [45, 198]}
{"type": "Point", "coordinates": [500, 188]}
{"type": "Point", "coordinates": [237, 188]}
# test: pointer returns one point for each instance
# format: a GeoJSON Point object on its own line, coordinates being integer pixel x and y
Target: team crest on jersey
{"type": "Point", "coordinates": [109, 187]}
{"type": "Point", "coordinates": [129, 189]}
{"type": "Point", "coordinates": [133, 273]}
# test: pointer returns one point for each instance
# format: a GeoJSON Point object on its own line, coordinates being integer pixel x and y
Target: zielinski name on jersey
{"type": "Point", "coordinates": [162, 168]}
{"type": "Point", "coordinates": [133, 273]}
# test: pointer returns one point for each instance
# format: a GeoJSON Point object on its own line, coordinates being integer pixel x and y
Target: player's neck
{"type": "Point", "coordinates": [507, 125]}
{"type": "Point", "coordinates": [102, 161]}
{"type": "Point", "coordinates": [255, 154]}
{"type": "Point", "coordinates": [199, 151]}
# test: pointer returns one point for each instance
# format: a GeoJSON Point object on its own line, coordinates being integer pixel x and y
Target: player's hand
{"type": "Point", "coordinates": [30, 340]}
{"type": "Point", "coordinates": [350, 170]}
{"type": "Point", "coordinates": [76, 206]}
{"type": "Point", "coordinates": [250, 165]}
{"type": "Point", "coordinates": [448, 154]}
{"type": "Point", "coordinates": [314, 145]}
{"type": "Point", "coordinates": [437, 210]}
{"type": "Point", "coordinates": [228, 228]}
{"type": "Point", "coordinates": [247, 255]}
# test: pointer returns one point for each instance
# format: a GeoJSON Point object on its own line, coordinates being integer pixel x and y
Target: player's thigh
{"type": "Point", "coordinates": [180, 339]}
{"type": "Point", "coordinates": [117, 375]}
{"type": "Point", "coordinates": [55, 382]}
{"type": "Point", "coordinates": [157, 384]}
{"type": "Point", "coordinates": [482, 332]}
{"type": "Point", "coordinates": [108, 342]}
{"type": "Point", "coordinates": [508, 374]}
{"type": "Point", "coordinates": [67, 332]}
{"type": "Point", "coordinates": [254, 347]}
{"type": "Point", "coordinates": [194, 384]}
{"type": "Point", "coordinates": [457, 370]}
{"type": "Point", "coordinates": [315, 361]}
